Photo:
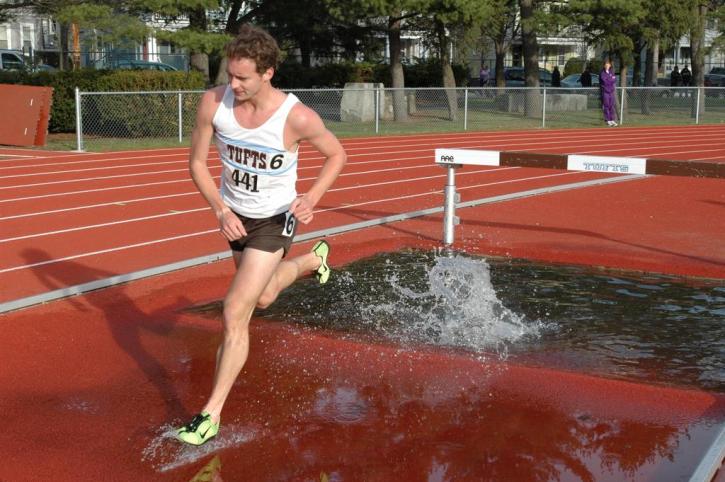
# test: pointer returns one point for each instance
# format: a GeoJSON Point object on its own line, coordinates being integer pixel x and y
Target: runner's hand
{"type": "Point", "coordinates": [230, 226]}
{"type": "Point", "coordinates": [302, 209]}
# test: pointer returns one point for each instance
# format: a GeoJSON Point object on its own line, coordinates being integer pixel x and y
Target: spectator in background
{"type": "Point", "coordinates": [483, 76]}
{"type": "Point", "coordinates": [675, 77]}
{"type": "Point", "coordinates": [585, 79]}
{"type": "Point", "coordinates": [686, 76]}
{"type": "Point", "coordinates": [556, 77]}
{"type": "Point", "coordinates": [607, 85]}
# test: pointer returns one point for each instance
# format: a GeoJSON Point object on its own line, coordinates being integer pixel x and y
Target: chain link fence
{"type": "Point", "coordinates": [127, 120]}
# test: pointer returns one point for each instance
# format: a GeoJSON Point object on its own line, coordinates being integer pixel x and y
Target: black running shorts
{"type": "Point", "coordinates": [267, 234]}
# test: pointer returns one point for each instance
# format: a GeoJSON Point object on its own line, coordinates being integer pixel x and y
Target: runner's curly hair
{"type": "Point", "coordinates": [256, 44]}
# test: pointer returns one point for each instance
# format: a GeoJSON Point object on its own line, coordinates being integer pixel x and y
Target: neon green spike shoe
{"type": "Point", "coordinates": [199, 430]}
{"type": "Point", "coordinates": [322, 250]}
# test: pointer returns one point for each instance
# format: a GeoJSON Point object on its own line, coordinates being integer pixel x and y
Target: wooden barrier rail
{"type": "Point", "coordinates": [455, 158]}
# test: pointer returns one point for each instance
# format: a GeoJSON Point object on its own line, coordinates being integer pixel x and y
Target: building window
{"type": "Point", "coordinates": [3, 37]}
{"type": "Point", "coordinates": [27, 38]}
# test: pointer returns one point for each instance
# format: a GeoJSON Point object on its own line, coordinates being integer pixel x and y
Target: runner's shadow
{"type": "Point", "coordinates": [126, 321]}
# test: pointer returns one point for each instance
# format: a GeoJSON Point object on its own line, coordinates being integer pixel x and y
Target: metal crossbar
{"type": "Point", "coordinates": [453, 159]}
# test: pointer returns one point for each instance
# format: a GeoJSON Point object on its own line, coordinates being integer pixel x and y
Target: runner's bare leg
{"type": "Point", "coordinates": [256, 268]}
{"type": "Point", "coordinates": [287, 273]}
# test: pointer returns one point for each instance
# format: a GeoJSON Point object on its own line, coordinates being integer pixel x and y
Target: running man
{"type": "Point", "coordinates": [257, 130]}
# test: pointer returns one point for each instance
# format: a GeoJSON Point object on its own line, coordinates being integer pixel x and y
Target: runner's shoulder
{"type": "Point", "coordinates": [304, 120]}
{"type": "Point", "coordinates": [210, 100]}
{"type": "Point", "coordinates": [214, 95]}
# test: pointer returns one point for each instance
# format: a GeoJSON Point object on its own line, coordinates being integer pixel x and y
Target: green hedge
{"type": "Point", "coordinates": [575, 65]}
{"type": "Point", "coordinates": [62, 117]}
{"type": "Point", "coordinates": [292, 75]}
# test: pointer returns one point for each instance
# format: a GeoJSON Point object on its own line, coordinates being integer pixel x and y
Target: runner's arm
{"type": "Point", "coordinates": [201, 136]}
{"type": "Point", "coordinates": [308, 126]}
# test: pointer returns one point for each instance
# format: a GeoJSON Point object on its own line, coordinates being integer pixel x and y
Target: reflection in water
{"type": "Point", "coordinates": [343, 405]}
{"type": "Point", "coordinates": [360, 411]}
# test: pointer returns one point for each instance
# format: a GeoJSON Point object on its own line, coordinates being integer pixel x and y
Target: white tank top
{"type": "Point", "coordinates": [258, 172]}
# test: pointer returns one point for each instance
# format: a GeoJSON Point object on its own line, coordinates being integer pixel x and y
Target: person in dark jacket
{"type": "Point", "coordinates": [675, 77]}
{"type": "Point", "coordinates": [607, 85]}
{"type": "Point", "coordinates": [686, 76]}
{"type": "Point", "coordinates": [556, 78]}
{"type": "Point", "coordinates": [586, 77]}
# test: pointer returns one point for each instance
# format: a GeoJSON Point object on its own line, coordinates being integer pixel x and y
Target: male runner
{"type": "Point", "coordinates": [257, 130]}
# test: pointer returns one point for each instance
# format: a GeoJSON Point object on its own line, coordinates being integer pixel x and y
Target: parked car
{"type": "Point", "coordinates": [572, 81]}
{"type": "Point", "coordinates": [143, 65]}
{"type": "Point", "coordinates": [15, 60]}
{"type": "Point", "coordinates": [11, 60]}
{"type": "Point", "coordinates": [715, 78]}
{"type": "Point", "coordinates": [515, 77]}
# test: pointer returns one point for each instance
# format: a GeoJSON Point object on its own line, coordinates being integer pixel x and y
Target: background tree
{"type": "Point", "coordinates": [197, 37]}
{"type": "Point", "coordinates": [612, 24]}
{"type": "Point", "coordinates": [444, 21]}
{"type": "Point", "coordinates": [389, 18]}
{"type": "Point", "coordinates": [501, 26]}
{"type": "Point", "coordinates": [664, 23]}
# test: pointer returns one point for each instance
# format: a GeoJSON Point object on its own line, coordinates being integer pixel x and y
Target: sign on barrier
{"type": "Point", "coordinates": [621, 165]}
{"type": "Point", "coordinates": [468, 157]}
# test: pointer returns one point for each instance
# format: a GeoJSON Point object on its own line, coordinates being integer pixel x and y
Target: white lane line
{"type": "Point", "coordinates": [104, 168]}
{"type": "Point", "coordinates": [433, 142]}
{"type": "Point", "coordinates": [89, 206]}
{"type": "Point", "coordinates": [109, 250]}
{"type": "Point", "coordinates": [216, 230]}
{"type": "Point", "coordinates": [153, 198]}
{"type": "Point", "coordinates": [175, 213]}
{"type": "Point", "coordinates": [440, 191]}
{"type": "Point", "coordinates": [187, 179]}
{"type": "Point", "coordinates": [102, 189]}
{"type": "Point", "coordinates": [150, 173]}
{"type": "Point", "coordinates": [397, 181]}
{"type": "Point", "coordinates": [139, 154]}
{"type": "Point", "coordinates": [99, 178]}
{"type": "Point", "coordinates": [653, 153]}
{"type": "Point", "coordinates": [101, 225]}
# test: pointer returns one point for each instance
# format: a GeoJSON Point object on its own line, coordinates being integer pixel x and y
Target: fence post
{"type": "Point", "coordinates": [465, 109]}
{"type": "Point", "coordinates": [377, 110]}
{"type": "Point", "coordinates": [697, 106]}
{"type": "Point", "coordinates": [543, 111]}
{"type": "Point", "coordinates": [181, 119]}
{"type": "Point", "coordinates": [622, 100]}
{"type": "Point", "coordinates": [79, 122]}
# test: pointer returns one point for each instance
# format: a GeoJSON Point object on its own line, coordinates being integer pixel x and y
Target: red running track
{"type": "Point", "coordinates": [98, 215]}
{"type": "Point", "coordinates": [93, 383]}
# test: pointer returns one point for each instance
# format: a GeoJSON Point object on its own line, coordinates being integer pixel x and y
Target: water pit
{"type": "Point", "coordinates": [422, 365]}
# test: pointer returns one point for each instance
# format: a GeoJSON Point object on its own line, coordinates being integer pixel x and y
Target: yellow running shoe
{"type": "Point", "coordinates": [322, 250]}
{"type": "Point", "coordinates": [199, 430]}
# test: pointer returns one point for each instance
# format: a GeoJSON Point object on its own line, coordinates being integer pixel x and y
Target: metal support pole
{"type": "Point", "coordinates": [465, 109]}
{"type": "Point", "coordinates": [622, 100]}
{"type": "Point", "coordinates": [450, 220]}
{"type": "Point", "coordinates": [181, 119]}
{"type": "Point", "coordinates": [79, 122]}
{"type": "Point", "coordinates": [543, 111]}
{"type": "Point", "coordinates": [377, 110]}
{"type": "Point", "coordinates": [697, 106]}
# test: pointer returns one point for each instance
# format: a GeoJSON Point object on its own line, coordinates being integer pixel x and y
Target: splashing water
{"type": "Point", "coordinates": [165, 452]}
{"type": "Point", "coordinates": [458, 307]}
{"type": "Point", "coordinates": [430, 298]}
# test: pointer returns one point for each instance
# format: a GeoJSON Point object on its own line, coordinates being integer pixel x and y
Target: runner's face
{"type": "Point", "coordinates": [244, 79]}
